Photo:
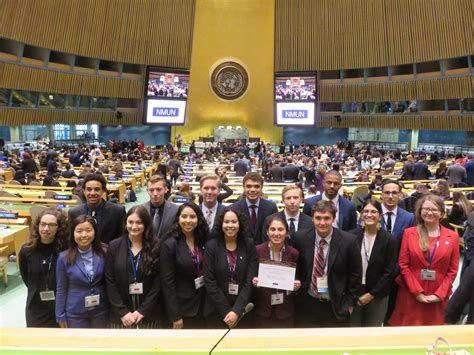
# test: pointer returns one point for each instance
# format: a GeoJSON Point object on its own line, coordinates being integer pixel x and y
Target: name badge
{"type": "Point", "coordinates": [428, 275]}
{"type": "Point", "coordinates": [322, 283]}
{"type": "Point", "coordinates": [47, 296]}
{"type": "Point", "coordinates": [277, 298]}
{"type": "Point", "coordinates": [199, 282]}
{"type": "Point", "coordinates": [233, 289]}
{"type": "Point", "coordinates": [135, 288]}
{"type": "Point", "coordinates": [92, 301]}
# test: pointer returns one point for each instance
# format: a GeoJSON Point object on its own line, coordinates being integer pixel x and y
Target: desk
{"type": "Point", "coordinates": [16, 236]}
{"type": "Point", "coordinates": [7, 174]}
{"type": "Point", "coordinates": [354, 341]}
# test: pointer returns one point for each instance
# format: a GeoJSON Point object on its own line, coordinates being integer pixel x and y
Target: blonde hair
{"type": "Point", "coordinates": [291, 187]}
{"type": "Point", "coordinates": [420, 227]}
{"type": "Point", "coordinates": [461, 199]}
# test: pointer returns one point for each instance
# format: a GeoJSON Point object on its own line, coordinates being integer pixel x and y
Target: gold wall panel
{"type": "Point", "coordinates": [456, 122]}
{"type": "Point", "coordinates": [340, 34]}
{"type": "Point", "coordinates": [17, 117]}
{"type": "Point", "coordinates": [240, 31]}
{"type": "Point", "coordinates": [157, 32]}
{"type": "Point", "coordinates": [19, 77]}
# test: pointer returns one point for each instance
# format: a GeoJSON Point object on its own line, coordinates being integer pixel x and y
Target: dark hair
{"type": "Point", "coordinates": [374, 203]}
{"type": "Point", "coordinates": [202, 229]}
{"type": "Point", "coordinates": [244, 231]}
{"type": "Point", "coordinates": [95, 177]}
{"type": "Point", "coordinates": [254, 176]}
{"type": "Point", "coordinates": [390, 181]}
{"type": "Point", "coordinates": [150, 244]}
{"type": "Point", "coordinates": [60, 239]}
{"type": "Point", "coordinates": [279, 218]}
{"type": "Point", "coordinates": [324, 206]}
{"type": "Point", "coordinates": [97, 245]}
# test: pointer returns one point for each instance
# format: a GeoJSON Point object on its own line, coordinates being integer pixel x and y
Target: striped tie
{"type": "Point", "coordinates": [318, 266]}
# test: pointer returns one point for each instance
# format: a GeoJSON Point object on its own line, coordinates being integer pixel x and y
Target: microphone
{"type": "Point", "coordinates": [247, 309]}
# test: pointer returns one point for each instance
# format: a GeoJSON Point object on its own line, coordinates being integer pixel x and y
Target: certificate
{"type": "Point", "coordinates": [277, 276]}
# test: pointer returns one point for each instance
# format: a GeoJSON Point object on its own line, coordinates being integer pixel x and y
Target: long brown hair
{"type": "Point", "coordinates": [97, 245]}
{"type": "Point", "coordinates": [61, 236]}
{"type": "Point", "coordinates": [421, 228]}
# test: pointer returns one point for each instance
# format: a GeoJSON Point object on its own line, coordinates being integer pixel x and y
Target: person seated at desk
{"type": "Point", "coordinates": [109, 216]}
{"type": "Point", "coordinates": [69, 172]}
{"type": "Point", "coordinates": [37, 260]}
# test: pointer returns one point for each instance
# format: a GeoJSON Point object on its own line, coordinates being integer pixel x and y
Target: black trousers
{"type": "Point", "coordinates": [314, 313]}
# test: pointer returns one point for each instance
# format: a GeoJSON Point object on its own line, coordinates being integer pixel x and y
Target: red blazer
{"type": "Point", "coordinates": [408, 311]}
{"type": "Point", "coordinates": [263, 295]}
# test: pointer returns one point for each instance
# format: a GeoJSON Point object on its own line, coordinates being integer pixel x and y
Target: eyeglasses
{"type": "Point", "coordinates": [49, 225]}
{"type": "Point", "coordinates": [388, 193]}
{"type": "Point", "coordinates": [428, 210]}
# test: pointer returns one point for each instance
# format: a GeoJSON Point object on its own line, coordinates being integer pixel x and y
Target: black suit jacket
{"type": "Point", "coordinates": [117, 266]}
{"type": "Point", "coordinates": [463, 294]}
{"type": "Point", "coordinates": [304, 222]}
{"type": "Point", "coordinates": [276, 173]}
{"type": "Point", "coordinates": [216, 277]}
{"type": "Point", "coordinates": [344, 268]}
{"type": "Point", "coordinates": [265, 209]}
{"type": "Point", "coordinates": [421, 171]}
{"type": "Point", "coordinates": [38, 313]}
{"type": "Point", "coordinates": [382, 265]}
{"type": "Point", "coordinates": [241, 167]}
{"type": "Point", "coordinates": [111, 220]}
{"type": "Point", "coordinates": [290, 173]}
{"type": "Point", "coordinates": [177, 274]}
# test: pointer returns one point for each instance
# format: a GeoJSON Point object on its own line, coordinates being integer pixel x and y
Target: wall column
{"type": "Point", "coordinates": [14, 133]}
{"type": "Point", "coordinates": [414, 139]}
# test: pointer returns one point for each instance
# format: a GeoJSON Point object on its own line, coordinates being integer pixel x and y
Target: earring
{"type": "Point", "coordinates": [379, 226]}
{"type": "Point", "coordinates": [362, 224]}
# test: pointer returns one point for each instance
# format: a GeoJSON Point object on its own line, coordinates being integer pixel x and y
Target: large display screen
{"type": "Point", "coordinates": [166, 96]}
{"type": "Point", "coordinates": [295, 99]}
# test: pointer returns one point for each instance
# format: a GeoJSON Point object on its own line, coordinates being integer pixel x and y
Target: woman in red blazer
{"type": "Point", "coordinates": [282, 313]}
{"type": "Point", "coordinates": [429, 261]}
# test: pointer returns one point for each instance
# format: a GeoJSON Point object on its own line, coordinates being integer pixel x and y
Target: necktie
{"type": "Point", "coordinates": [318, 266]}
{"type": "Point", "coordinates": [156, 222]}
{"type": "Point", "coordinates": [253, 215]}
{"type": "Point", "coordinates": [388, 224]}
{"type": "Point", "coordinates": [94, 215]}
{"type": "Point", "coordinates": [209, 218]}
{"type": "Point", "coordinates": [292, 228]}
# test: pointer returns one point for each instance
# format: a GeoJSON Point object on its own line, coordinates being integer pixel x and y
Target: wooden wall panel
{"type": "Point", "coordinates": [19, 77]}
{"type": "Point", "coordinates": [155, 32]}
{"type": "Point", "coordinates": [342, 34]}
{"type": "Point", "coordinates": [17, 117]}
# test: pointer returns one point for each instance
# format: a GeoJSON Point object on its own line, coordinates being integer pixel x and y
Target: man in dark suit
{"type": "Point", "coordinates": [421, 170]}
{"type": "Point", "coordinates": [253, 206]}
{"type": "Point", "coordinates": [110, 217]}
{"type": "Point", "coordinates": [68, 173]}
{"type": "Point", "coordinates": [210, 188]}
{"type": "Point", "coordinates": [292, 197]}
{"type": "Point", "coordinates": [394, 220]}
{"type": "Point", "coordinates": [162, 212]}
{"type": "Point", "coordinates": [346, 216]}
{"type": "Point", "coordinates": [276, 172]}
{"type": "Point", "coordinates": [290, 171]}
{"type": "Point", "coordinates": [241, 166]}
{"type": "Point", "coordinates": [330, 267]}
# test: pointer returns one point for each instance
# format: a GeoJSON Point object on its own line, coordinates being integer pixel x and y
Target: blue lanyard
{"type": "Point", "coordinates": [431, 255]}
{"type": "Point", "coordinates": [134, 264]}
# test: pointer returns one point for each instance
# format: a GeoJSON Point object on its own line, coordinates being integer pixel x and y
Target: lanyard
{"type": "Point", "coordinates": [196, 260]}
{"type": "Point", "coordinates": [271, 253]}
{"type": "Point", "coordinates": [90, 276]}
{"type": "Point", "coordinates": [431, 255]}
{"type": "Point", "coordinates": [132, 263]}
{"type": "Point", "coordinates": [367, 252]}
{"type": "Point", "coordinates": [48, 260]}
{"type": "Point", "coordinates": [231, 268]}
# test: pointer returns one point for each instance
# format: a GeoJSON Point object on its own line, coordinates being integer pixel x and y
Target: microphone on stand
{"type": "Point", "coordinates": [247, 309]}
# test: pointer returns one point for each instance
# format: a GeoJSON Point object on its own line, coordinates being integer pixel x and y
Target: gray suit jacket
{"type": "Point", "coordinates": [169, 215]}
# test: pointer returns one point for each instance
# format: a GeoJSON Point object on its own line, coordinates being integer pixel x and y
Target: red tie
{"type": "Point", "coordinates": [318, 266]}
{"type": "Point", "coordinates": [253, 215]}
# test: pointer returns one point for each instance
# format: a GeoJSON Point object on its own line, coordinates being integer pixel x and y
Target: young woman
{"type": "Point", "coordinates": [230, 262]}
{"type": "Point", "coordinates": [131, 272]}
{"type": "Point", "coordinates": [81, 300]}
{"type": "Point", "coordinates": [38, 266]}
{"type": "Point", "coordinates": [378, 250]}
{"type": "Point", "coordinates": [429, 261]}
{"type": "Point", "coordinates": [181, 263]}
{"type": "Point", "coordinates": [275, 308]}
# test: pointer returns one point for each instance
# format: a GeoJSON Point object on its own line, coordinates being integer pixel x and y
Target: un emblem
{"type": "Point", "coordinates": [229, 80]}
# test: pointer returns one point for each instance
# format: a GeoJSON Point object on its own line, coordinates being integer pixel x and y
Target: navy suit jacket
{"type": "Point", "coordinates": [214, 230]}
{"type": "Point", "coordinates": [347, 211]}
{"type": "Point", "coordinates": [403, 221]}
{"type": "Point", "coordinates": [265, 209]}
{"type": "Point", "coordinates": [241, 167]}
{"type": "Point", "coordinates": [73, 286]}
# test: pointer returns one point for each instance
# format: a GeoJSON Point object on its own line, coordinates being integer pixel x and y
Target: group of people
{"type": "Point", "coordinates": [161, 265]}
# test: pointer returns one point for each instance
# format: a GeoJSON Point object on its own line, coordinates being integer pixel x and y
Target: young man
{"type": "Point", "coordinates": [110, 217]}
{"type": "Point", "coordinates": [330, 267]}
{"type": "Point", "coordinates": [253, 206]}
{"type": "Point", "coordinates": [346, 215]}
{"type": "Point", "coordinates": [395, 219]}
{"type": "Point", "coordinates": [161, 211]}
{"type": "Point", "coordinates": [210, 188]}
{"type": "Point", "coordinates": [292, 197]}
